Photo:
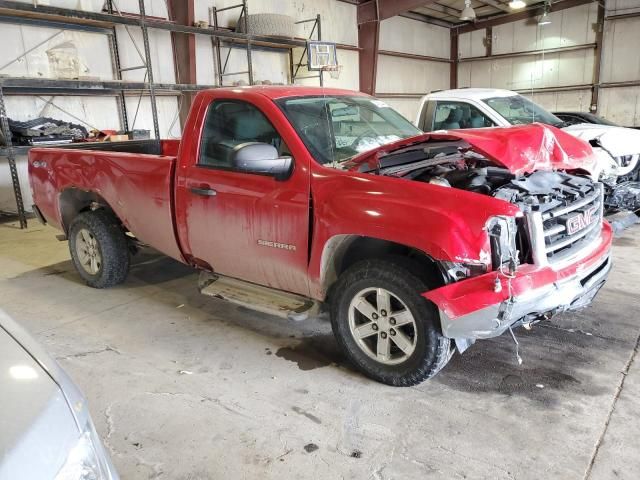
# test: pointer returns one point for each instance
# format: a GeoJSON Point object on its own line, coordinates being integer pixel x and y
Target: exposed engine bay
{"type": "Point", "coordinates": [569, 206]}
{"type": "Point", "coordinates": [449, 165]}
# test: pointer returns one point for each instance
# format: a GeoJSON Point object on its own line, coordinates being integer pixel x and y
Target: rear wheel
{"type": "Point", "coordinates": [98, 248]}
{"type": "Point", "coordinates": [385, 327]}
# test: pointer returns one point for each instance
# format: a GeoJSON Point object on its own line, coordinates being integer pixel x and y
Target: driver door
{"type": "Point", "coordinates": [249, 226]}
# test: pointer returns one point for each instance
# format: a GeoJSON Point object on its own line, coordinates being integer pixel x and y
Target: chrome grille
{"type": "Point", "coordinates": [565, 230]}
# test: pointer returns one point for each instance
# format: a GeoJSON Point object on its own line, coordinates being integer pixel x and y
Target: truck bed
{"type": "Point", "coordinates": [134, 178]}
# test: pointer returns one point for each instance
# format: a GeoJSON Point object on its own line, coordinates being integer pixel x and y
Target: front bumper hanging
{"type": "Point", "coordinates": [474, 308]}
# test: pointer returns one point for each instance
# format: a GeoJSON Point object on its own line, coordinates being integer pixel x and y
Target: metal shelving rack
{"type": "Point", "coordinates": [6, 133]}
{"type": "Point", "coordinates": [106, 23]}
{"type": "Point", "coordinates": [221, 69]}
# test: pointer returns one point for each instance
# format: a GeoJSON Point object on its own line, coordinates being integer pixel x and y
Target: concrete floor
{"type": "Point", "coordinates": [187, 387]}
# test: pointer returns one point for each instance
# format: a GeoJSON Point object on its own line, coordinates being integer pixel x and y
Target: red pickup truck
{"type": "Point", "coordinates": [292, 199]}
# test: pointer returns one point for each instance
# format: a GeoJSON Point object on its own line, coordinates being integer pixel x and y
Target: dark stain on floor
{"type": "Point", "coordinates": [554, 361]}
{"type": "Point", "coordinates": [152, 268]}
{"type": "Point", "coordinates": [311, 447]}
{"type": "Point", "coordinates": [356, 454]}
{"type": "Point", "coordinates": [310, 416]}
{"type": "Point", "coordinates": [313, 352]}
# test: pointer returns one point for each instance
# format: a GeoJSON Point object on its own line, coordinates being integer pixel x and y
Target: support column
{"type": "Point", "coordinates": [184, 45]}
{"type": "Point", "coordinates": [370, 14]}
{"type": "Point", "coordinates": [368, 41]}
{"type": "Point", "coordinates": [453, 66]}
{"type": "Point", "coordinates": [489, 41]}
{"type": "Point", "coordinates": [598, 59]}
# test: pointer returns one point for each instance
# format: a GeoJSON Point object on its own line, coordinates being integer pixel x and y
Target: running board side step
{"type": "Point", "coordinates": [256, 297]}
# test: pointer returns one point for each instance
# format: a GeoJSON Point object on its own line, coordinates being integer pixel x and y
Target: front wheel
{"type": "Point", "coordinates": [385, 327]}
{"type": "Point", "coordinates": [98, 248]}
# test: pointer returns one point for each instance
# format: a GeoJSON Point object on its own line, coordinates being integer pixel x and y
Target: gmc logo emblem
{"type": "Point", "coordinates": [581, 220]}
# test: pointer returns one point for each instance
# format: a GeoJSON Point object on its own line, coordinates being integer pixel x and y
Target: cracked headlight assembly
{"type": "Point", "coordinates": [502, 239]}
{"type": "Point", "coordinates": [85, 460]}
{"type": "Point", "coordinates": [456, 271]}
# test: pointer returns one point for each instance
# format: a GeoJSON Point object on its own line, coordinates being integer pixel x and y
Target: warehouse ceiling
{"type": "Point", "coordinates": [448, 12]}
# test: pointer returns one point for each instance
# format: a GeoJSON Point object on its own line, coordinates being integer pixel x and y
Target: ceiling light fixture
{"type": "Point", "coordinates": [545, 19]}
{"type": "Point", "coordinates": [517, 4]}
{"type": "Point", "coordinates": [468, 13]}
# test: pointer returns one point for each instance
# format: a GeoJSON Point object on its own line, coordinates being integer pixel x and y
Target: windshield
{"type": "Point", "coordinates": [519, 110]}
{"type": "Point", "coordinates": [337, 128]}
{"type": "Point", "coordinates": [601, 121]}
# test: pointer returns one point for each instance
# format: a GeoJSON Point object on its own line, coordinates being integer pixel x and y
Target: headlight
{"type": "Point", "coordinates": [626, 160]}
{"type": "Point", "coordinates": [83, 461]}
{"type": "Point", "coordinates": [502, 238]}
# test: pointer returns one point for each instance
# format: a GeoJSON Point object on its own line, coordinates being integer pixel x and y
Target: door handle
{"type": "Point", "coordinates": [204, 191]}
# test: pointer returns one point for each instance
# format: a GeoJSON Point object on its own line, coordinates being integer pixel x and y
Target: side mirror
{"type": "Point", "coordinates": [261, 159]}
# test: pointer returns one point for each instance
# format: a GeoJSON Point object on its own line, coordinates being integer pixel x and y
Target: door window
{"type": "Point", "coordinates": [457, 115]}
{"type": "Point", "coordinates": [230, 123]}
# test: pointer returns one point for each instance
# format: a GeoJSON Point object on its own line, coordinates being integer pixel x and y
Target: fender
{"type": "Point", "coordinates": [446, 224]}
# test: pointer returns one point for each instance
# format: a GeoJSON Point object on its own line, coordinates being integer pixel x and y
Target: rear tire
{"type": "Point", "coordinates": [98, 248]}
{"type": "Point", "coordinates": [386, 328]}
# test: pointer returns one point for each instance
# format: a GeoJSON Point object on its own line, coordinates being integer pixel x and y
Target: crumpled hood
{"type": "Point", "coordinates": [618, 141]}
{"type": "Point", "coordinates": [521, 148]}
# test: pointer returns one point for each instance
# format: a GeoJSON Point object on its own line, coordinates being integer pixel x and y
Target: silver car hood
{"type": "Point", "coordinates": [37, 428]}
{"type": "Point", "coordinates": [617, 141]}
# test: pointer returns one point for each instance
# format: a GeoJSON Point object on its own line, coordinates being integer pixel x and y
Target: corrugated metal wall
{"type": "Point", "coordinates": [411, 76]}
{"type": "Point", "coordinates": [621, 63]}
{"type": "Point", "coordinates": [338, 25]}
{"type": "Point", "coordinates": [400, 80]}
{"type": "Point", "coordinates": [569, 28]}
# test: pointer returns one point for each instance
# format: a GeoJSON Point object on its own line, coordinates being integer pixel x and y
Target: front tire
{"type": "Point", "coordinates": [98, 248]}
{"type": "Point", "coordinates": [385, 327]}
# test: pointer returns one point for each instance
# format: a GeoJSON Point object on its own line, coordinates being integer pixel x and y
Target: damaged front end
{"type": "Point", "coordinates": [551, 257]}
{"type": "Point", "coordinates": [623, 196]}
{"type": "Point", "coordinates": [620, 170]}
{"type": "Point", "coordinates": [621, 180]}
{"type": "Point", "coordinates": [487, 305]}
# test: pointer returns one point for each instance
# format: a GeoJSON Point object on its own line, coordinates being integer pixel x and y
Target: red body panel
{"type": "Point", "coordinates": [223, 232]}
{"type": "Point", "coordinates": [445, 223]}
{"type": "Point", "coordinates": [137, 187]}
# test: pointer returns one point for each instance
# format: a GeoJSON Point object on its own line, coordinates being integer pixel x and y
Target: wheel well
{"type": "Point", "coordinates": [74, 201]}
{"type": "Point", "coordinates": [345, 250]}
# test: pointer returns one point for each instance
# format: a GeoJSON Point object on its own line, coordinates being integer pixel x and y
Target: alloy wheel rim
{"type": "Point", "coordinates": [88, 251]}
{"type": "Point", "coordinates": [382, 326]}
